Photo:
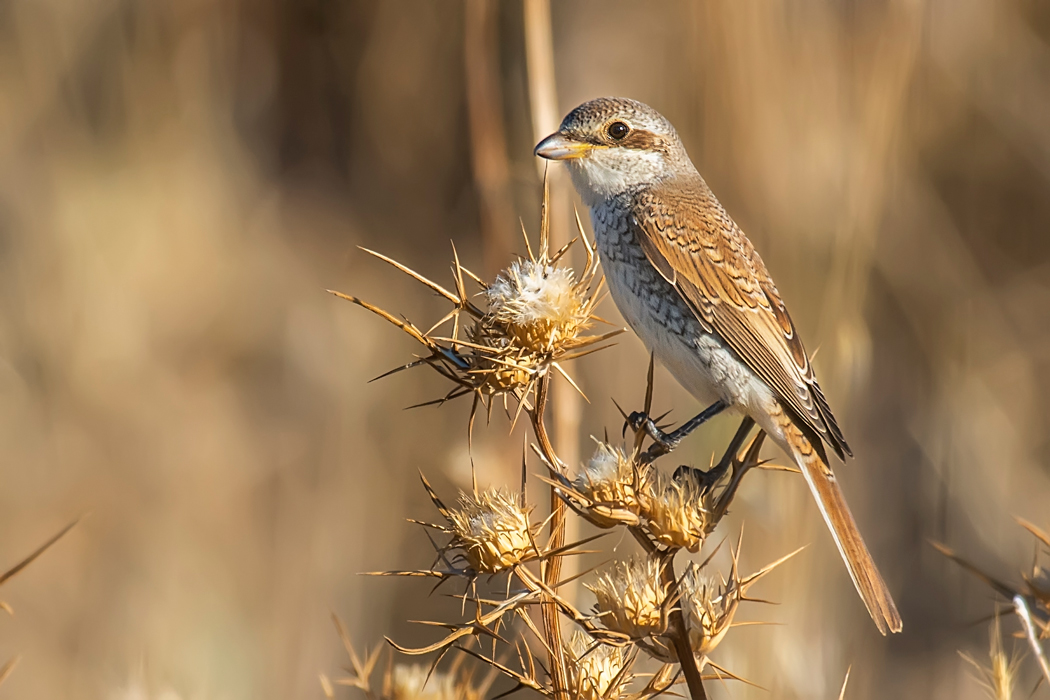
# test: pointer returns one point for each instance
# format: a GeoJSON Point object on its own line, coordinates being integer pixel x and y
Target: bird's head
{"type": "Point", "coordinates": [613, 145]}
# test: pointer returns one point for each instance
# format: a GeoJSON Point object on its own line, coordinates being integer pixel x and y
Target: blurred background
{"type": "Point", "coordinates": [181, 180]}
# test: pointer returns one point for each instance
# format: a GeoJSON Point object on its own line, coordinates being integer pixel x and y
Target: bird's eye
{"type": "Point", "coordinates": [617, 131]}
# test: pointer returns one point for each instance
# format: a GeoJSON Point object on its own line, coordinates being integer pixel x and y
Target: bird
{"type": "Point", "coordinates": [692, 286]}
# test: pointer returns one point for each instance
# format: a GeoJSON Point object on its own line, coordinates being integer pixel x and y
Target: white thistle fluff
{"type": "Point", "coordinates": [540, 304]}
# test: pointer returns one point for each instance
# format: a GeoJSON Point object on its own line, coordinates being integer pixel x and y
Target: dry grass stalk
{"type": "Point", "coordinates": [998, 677]}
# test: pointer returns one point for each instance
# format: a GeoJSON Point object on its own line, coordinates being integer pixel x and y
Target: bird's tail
{"type": "Point", "coordinates": [832, 503]}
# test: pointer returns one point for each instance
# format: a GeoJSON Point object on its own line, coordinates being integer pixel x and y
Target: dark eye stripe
{"type": "Point", "coordinates": [644, 140]}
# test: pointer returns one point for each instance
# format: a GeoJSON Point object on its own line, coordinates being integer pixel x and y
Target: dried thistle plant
{"type": "Point", "coordinates": [1030, 602]}
{"type": "Point", "coordinates": [536, 314]}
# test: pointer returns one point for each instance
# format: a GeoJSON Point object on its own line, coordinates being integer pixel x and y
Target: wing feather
{"type": "Point", "coordinates": [692, 242]}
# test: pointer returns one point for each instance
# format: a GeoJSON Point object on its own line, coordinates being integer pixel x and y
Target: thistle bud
{"type": "Point", "coordinates": [675, 513]}
{"type": "Point", "coordinates": [595, 670]}
{"type": "Point", "coordinates": [610, 482]}
{"type": "Point", "coordinates": [707, 607]}
{"type": "Point", "coordinates": [630, 598]}
{"type": "Point", "coordinates": [492, 529]}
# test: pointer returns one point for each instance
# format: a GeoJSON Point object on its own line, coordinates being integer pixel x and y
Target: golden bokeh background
{"type": "Point", "coordinates": [181, 180]}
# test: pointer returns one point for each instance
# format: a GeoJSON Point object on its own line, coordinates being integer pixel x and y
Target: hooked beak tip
{"type": "Point", "coordinates": [559, 146]}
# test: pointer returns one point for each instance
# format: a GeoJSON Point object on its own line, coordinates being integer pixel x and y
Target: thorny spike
{"type": "Point", "coordinates": [36, 553]}
{"type": "Point", "coordinates": [528, 246]}
{"type": "Point", "coordinates": [845, 682]}
{"type": "Point", "coordinates": [415, 275]}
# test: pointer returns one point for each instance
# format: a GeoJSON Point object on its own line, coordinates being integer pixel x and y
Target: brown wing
{"type": "Point", "coordinates": [690, 239]}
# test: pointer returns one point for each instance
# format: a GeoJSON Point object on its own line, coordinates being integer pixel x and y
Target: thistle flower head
{"type": "Point", "coordinates": [630, 598]}
{"type": "Point", "coordinates": [539, 305]}
{"type": "Point", "coordinates": [676, 514]}
{"type": "Point", "coordinates": [492, 529]}
{"type": "Point", "coordinates": [596, 671]}
{"type": "Point", "coordinates": [610, 483]}
{"type": "Point", "coordinates": [708, 608]}
{"type": "Point", "coordinates": [536, 313]}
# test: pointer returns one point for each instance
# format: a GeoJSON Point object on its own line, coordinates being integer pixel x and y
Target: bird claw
{"type": "Point", "coordinates": [639, 420]}
{"type": "Point", "coordinates": [706, 480]}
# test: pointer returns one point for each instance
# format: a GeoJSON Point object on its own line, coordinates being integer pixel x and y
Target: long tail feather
{"type": "Point", "coordinates": [833, 507]}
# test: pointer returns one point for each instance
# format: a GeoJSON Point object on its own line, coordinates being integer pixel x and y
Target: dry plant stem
{"type": "Point", "coordinates": [487, 136]}
{"type": "Point", "coordinates": [679, 637]}
{"type": "Point", "coordinates": [1021, 608]}
{"type": "Point", "coordinates": [552, 567]}
{"type": "Point", "coordinates": [676, 622]}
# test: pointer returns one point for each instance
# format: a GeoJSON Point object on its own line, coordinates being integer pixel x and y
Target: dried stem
{"type": "Point", "coordinates": [676, 629]}
{"type": "Point", "coordinates": [487, 135]}
{"type": "Point", "coordinates": [679, 635]}
{"type": "Point", "coordinates": [552, 567]}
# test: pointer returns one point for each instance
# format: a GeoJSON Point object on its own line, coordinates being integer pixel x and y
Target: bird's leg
{"type": "Point", "coordinates": [665, 442]}
{"type": "Point", "coordinates": [707, 479]}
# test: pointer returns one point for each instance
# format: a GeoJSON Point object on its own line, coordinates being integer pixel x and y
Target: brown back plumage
{"type": "Point", "coordinates": [699, 249]}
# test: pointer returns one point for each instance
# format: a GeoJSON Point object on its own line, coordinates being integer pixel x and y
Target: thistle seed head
{"type": "Point", "coordinates": [595, 670]}
{"type": "Point", "coordinates": [676, 514]}
{"type": "Point", "coordinates": [540, 305]}
{"type": "Point", "coordinates": [708, 609]}
{"type": "Point", "coordinates": [492, 529]}
{"type": "Point", "coordinates": [630, 598]}
{"type": "Point", "coordinates": [611, 483]}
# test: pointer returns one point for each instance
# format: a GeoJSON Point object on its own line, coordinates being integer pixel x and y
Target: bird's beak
{"type": "Point", "coordinates": [559, 146]}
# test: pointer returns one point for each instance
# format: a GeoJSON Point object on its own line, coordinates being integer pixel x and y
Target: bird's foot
{"type": "Point", "coordinates": [639, 420]}
{"type": "Point", "coordinates": [705, 479]}
{"type": "Point", "coordinates": [708, 479]}
{"type": "Point", "coordinates": [664, 443]}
